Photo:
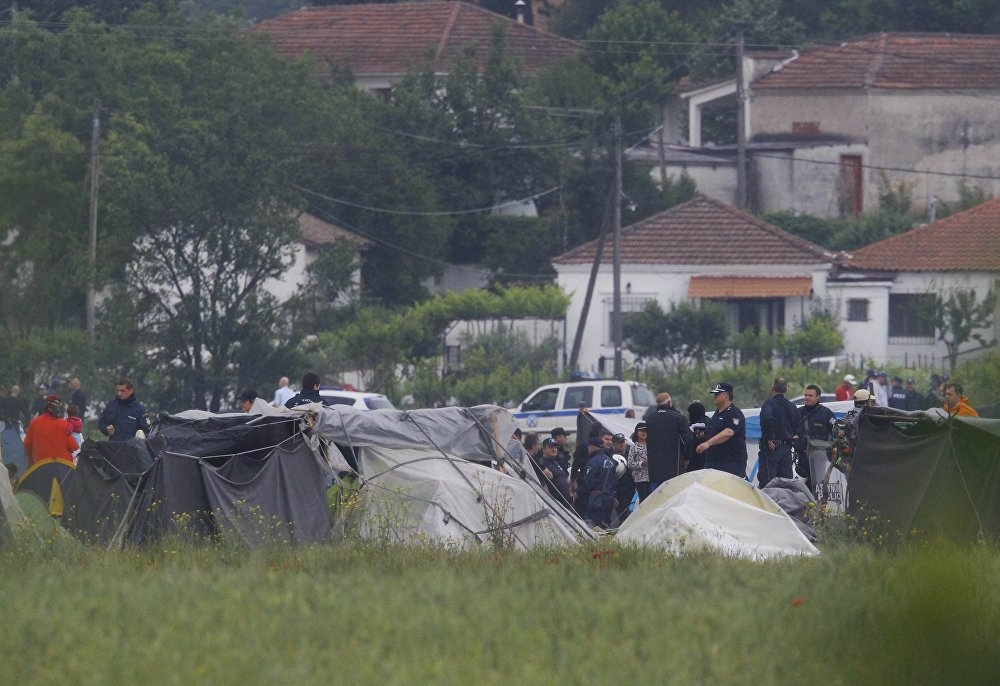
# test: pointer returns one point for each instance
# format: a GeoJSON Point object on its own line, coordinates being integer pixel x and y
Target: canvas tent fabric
{"type": "Point", "coordinates": [12, 446]}
{"type": "Point", "coordinates": [12, 517]}
{"type": "Point", "coordinates": [714, 511]}
{"type": "Point", "coordinates": [928, 472]}
{"type": "Point", "coordinates": [262, 482]}
{"type": "Point", "coordinates": [436, 461]}
{"type": "Point", "coordinates": [98, 492]}
{"type": "Point", "coordinates": [45, 479]}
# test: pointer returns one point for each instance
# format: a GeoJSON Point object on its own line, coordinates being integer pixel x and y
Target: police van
{"type": "Point", "coordinates": [558, 404]}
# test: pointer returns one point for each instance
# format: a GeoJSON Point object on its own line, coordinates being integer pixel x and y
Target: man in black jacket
{"type": "Point", "coordinates": [668, 442]}
{"type": "Point", "coordinates": [124, 415]}
{"type": "Point", "coordinates": [309, 393]}
{"type": "Point", "coordinates": [779, 422]}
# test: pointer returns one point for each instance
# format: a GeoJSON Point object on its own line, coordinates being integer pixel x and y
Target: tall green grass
{"type": "Point", "coordinates": [597, 614]}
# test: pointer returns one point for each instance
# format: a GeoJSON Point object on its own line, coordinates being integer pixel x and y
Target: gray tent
{"type": "Point", "coordinates": [259, 479]}
{"type": "Point", "coordinates": [427, 476]}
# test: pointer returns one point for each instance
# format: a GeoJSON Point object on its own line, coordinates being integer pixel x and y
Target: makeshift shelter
{"type": "Point", "coordinates": [928, 472]}
{"type": "Point", "coordinates": [12, 446]}
{"type": "Point", "coordinates": [427, 475]}
{"type": "Point", "coordinates": [45, 479]}
{"type": "Point", "coordinates": [99, 491]}
{"type": "Point", "coordinates": [259, 479]}
{"type": "Point", "coordinates": [12, 517]}
{"type": "Point", "coordinates": [714, 511]}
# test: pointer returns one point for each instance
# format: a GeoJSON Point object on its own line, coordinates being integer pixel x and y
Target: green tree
{"type": "Point", "coordinates": [684, 338]}
{"type": "Point", "coordinates": [960, 316]}
{"type": "Point", "coordinates": [502, 367]}
{"type": "Point", "coordinates": [817, 336]}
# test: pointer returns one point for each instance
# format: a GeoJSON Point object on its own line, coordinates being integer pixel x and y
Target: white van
{"type": "Point", "coordinates": [558, 404]}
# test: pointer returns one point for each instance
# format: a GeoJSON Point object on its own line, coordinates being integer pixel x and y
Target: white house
{"type": "Point", "coordinates": [884, 290]}
{"type": "Point", "coordinates": [702, 249]}
{"type": "Point", "coordinates": [315, 236]}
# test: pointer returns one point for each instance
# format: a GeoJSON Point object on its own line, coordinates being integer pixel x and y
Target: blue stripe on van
{"type": "Point", "coordinates": [569, 413]}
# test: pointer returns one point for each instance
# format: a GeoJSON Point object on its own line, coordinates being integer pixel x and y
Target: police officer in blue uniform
{"type": "Point", "coordinates": [726, 446]}
{"type": "Point", "coordinates": [779, 422]}
{"type": "Point", "coordinates": [815, 437]}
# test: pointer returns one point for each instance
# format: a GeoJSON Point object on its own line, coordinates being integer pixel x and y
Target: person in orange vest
{"type": "Point", "coordinates": [48, 436]}
{"type": "Point", "coordinates": [957, 404]}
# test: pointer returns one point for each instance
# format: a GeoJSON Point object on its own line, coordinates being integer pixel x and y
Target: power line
{"type": "Point", "coordinates": [323, 214]}
{"type": "Point", "coordinates": [451, 213]}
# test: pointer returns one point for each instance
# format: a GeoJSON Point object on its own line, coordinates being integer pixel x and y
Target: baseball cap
{"type": "Point", "coordinates": [862, 395]}
{"type": "Point", "coordinates": [618, 438]}
{"type": "Point", "coordinates": [558, 431]}
{"type": "Point", "coordinates": [641, 426]}
{"type": "Point", "coordinates": [850, 378]}
{"type": "Point", "coordinates": [722, 387]}
{"type": "Point", "coordinates": [897, 379]}
{"type": "Point", "coordinates": [911, 380]}
{"type": "Point", "coordinates": [550, 443]}
{"type": "Point", "coordinates": [882, 373]}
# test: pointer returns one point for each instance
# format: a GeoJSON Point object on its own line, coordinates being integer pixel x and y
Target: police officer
{"type": "Point", "coordinates": [779, 421]}
{"type": "Point", "coordinates": [816, 437]}
{"type": "Point", "coordinates": [726, 446]}
{"type": "Point", "coordinates": [897, 395]}
{"type": "Point", "coordinates": [558, 434]}
{"type": "Point", "coordinates": [600, 482]}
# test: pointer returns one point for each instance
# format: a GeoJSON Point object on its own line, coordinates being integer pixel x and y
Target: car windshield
{"type": "Point", "coordinates": [379, 403]}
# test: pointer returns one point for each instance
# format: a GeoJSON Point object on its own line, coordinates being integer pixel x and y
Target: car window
{"type": "Point", "coordinates": [336, 400]}
{"type": "Point", "coordinates": [577, 396]}
{"type": "Point", "coordinates": [544, 400]}
{"type": "Point", "coordinates": [379, 403]}
{"type": "Point", "coordinates": [642, 396]}
{"type": "Point", "coordinates": [611, 396]}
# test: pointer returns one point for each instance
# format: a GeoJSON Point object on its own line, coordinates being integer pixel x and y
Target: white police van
{"type": "Point", "coordinates": [558, 404]}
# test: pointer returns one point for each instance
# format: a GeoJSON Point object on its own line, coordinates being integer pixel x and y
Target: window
{"type": "Point", "coordinates": [611, 396]}
{"type": "Point", "coordinates": [453, 356]}
{"type": "Point", "coordinates": [630, 303]}
{"type": "Point", "coordinates": [911, 318]}
{"type": "Point", "coordinates": [577, 396]}
{"type": "Point", "coordinates": [544, 400]}
{"type": "Point", "coordinates": [857, 310]}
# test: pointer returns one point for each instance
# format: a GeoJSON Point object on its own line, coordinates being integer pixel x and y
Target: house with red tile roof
{"type": "Point", "coordinates": [827, 128]}
{"type": "Point", "coordinates": [884, 290]}
{"type": "Point", "coordinates": [380, 43]}
{"type": "Point", "coordinates": [702, 249]}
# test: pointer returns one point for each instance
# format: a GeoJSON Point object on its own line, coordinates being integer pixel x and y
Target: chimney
{"type": "Point", "coordinates": [520, 5]}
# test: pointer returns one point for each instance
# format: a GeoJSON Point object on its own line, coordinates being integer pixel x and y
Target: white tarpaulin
{"type": "Point", "coordinates": [714, 511]}
{"type": "Point", "coordinates": [418, 494]}
{"type": "Point", "coordinates": [427, 476]}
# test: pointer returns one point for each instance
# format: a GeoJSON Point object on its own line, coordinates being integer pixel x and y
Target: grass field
{"type": "Point", "coordinates": [598, 614]}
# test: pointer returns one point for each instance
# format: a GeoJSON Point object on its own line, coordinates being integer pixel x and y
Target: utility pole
{"type": "Point", "coordinates": [574, 356]}
{"type": "Point", "coordinates": [95, 152]}
{"type": "Point", "coordinates": [741, 130]}
{"type": "Point", "coordinates": [616, 319]}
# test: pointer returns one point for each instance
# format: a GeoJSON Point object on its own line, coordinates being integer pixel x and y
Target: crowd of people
{"type": "Point", "coordinates": [607, 472]}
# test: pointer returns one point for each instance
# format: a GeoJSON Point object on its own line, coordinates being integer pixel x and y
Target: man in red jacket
{"type": "Point", "coordinates": [48, 435]}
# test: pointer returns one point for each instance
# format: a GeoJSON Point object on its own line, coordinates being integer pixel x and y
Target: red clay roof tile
{"type": "Point", "coordinates": [894, 61]}
{"type": "Point", "coordinates": [967, 241]}
{"type": "Point", "coordinates": [749, 286]}
{"type": "Point", "coordinates": [703, 231]}
{"type": "Point", "coordinates": [389, 39]}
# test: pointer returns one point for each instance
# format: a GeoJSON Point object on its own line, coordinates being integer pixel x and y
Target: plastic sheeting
{"type": "Point", "coordinates": [430, 468]}
{"type": "Point", "coordinates": [709, 510]}
{"type": "Point", "coordinates": [414, 495]}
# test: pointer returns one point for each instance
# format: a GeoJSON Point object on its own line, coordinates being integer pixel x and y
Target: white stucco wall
{"type": "Point", "coordinates": [925, 131]}
{"type": "Point", "coordinates": [871, 339]}
{"type": "Point", "coordinates": [295, 276]}
{"type": "Point", "coordinates": [667, 284]}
